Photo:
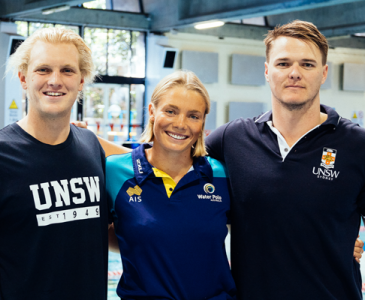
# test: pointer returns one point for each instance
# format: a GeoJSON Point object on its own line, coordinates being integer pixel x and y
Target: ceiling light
{"type": "Point", "coordinates": [209, 24]}
{"type": "Point", "coordinates": [52, 10]}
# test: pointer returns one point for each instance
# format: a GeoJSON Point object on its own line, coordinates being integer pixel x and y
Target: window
{"type": "Point", "coordinates": [22, 28]}
{"type": "Point", "coordinates": [258, 21]}
{"type": "Point", "coordinates": [114, 112]}
{"type": "Point", "coordinates": [97, 4]}
{"type": "Point", "coordinates": [117, 52]}
{"type": "Point", "coordinates": [113, 106]}
{"type": "Point", "coordinates": [96, 39]}
{"type": "Point", "coordinates": [134, 6]}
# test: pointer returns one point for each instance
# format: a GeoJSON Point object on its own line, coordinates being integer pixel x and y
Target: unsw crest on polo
{"type": "Point", "coordinates": [328, 159]}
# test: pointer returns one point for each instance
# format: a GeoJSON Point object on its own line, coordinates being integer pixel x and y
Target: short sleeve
{"type": "Point", "coordinates": [214, 143]}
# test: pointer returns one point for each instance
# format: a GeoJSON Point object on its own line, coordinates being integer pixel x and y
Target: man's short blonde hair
{"type": "Point", "coordinates": [191, 82]}
{"type": "Point", "coordinates": [19, 61]}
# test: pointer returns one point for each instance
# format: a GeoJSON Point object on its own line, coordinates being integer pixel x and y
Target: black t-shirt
{"type": "Point", "coordinates": [53, 217]}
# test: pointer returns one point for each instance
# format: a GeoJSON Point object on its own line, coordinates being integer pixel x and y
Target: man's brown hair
{"type": "Point", "coordinates": [302, 30]}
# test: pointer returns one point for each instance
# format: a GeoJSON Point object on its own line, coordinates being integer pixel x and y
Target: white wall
{"type": "Point", "coordinates": [223, 92]}
{"type": "Point", "coordinates": [345, 102]}
{"type": "Point", "coordinates": [4, 45]}
{"type": "Point", "coordinates": [10, 88]}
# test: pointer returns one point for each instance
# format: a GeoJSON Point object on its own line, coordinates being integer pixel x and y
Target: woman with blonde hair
{"type": "Point", "coordinates": [170, 202]}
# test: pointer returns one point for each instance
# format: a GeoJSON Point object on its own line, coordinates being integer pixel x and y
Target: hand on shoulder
{"type": "Point", "coordinates": [80, 124]}
{"type": "Point", "coordinates": [109, 148]}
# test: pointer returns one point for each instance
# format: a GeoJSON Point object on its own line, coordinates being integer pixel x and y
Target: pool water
{"type": "Point", "coordinates": [114, 274]}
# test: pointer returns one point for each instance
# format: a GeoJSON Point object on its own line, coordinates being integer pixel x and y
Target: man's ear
{"type": "Point", "coordinates": [23, 80]}
{"type": "Point", "coordinates": [325, 73]}
{"type": "Point", "coordinates": [81, 84]}
{"type": "Point", "coordinates": [267, 71]}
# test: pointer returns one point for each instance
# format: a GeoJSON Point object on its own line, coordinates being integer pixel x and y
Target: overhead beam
{"type": "Point", "coordinates": [343, 30]}
{"type": "Point", "coordinates": [198, 10]}
{"type": "Point", "coordinates": [19, 8]}
{"type": "Point", "coordinates": [251, 32]}
{"type": "Point", "coordinates": [94, 18]}
{"type": "Point", "coordinates": [231, 30]}
{"type": "Point", "coordinates": [335, 20]}
{"type": "Point", "coordinates": [164, 14]}
{"type": "Point", "coordinates": [184, 13]}
{"type": "Point", "coordinates": [348, 42]}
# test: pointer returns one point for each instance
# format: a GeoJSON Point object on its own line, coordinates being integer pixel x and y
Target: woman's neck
{"type": "Point", "coordinates": [174, 164]}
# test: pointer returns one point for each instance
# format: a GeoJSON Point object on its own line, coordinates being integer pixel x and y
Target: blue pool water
{"type": "Point", "coordinates": [114, 273]}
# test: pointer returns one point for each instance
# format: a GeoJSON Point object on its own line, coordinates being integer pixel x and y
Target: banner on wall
{"type": "Point", "coordinates": [13, 90]}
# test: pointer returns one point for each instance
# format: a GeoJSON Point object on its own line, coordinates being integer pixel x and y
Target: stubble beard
{"type": "Point", "coordinates": [297, 106]}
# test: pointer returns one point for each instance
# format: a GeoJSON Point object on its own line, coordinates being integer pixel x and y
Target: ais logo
{"type": "Point", "coordinates": [135, 191]}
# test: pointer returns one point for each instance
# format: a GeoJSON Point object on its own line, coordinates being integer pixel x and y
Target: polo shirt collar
{"type": "Point", "coordinates": [142, 168]}
{"type": "Point", "coordinates": [202, 166]}
{"type": "Point", "coordinates": [332, 119]}
{"type": "Point", "coordinates": [267, 116]}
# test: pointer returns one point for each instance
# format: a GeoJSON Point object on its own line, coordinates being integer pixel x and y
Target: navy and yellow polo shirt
{"type": "Point", "coordinates": [171, 237]}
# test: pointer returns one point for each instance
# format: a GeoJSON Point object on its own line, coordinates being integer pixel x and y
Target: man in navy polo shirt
{"type": "Point", "coordinates": [298, 181]}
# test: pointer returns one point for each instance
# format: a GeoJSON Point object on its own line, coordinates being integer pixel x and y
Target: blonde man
{"type": "Point", "coordinates": [53, 216]}
{"type": "Point", "coordinates": [298, 181]}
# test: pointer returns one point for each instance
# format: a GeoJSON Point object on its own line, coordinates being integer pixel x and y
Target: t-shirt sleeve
{"type": "Point", "coordinates": [109, 203]}
{"type": "Point", "coordinates": [214, 143]}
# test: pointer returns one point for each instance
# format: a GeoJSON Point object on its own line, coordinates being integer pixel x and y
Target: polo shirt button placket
{"type": "Point", "coordinates": [171, 191]}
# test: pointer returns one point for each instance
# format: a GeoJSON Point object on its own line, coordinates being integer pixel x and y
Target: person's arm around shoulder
{"type": "Point", "coordinates": [109, 147]}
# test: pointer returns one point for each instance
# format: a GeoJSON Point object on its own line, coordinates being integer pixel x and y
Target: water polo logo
{"type": "Point", "coordinates": [209, 188]}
